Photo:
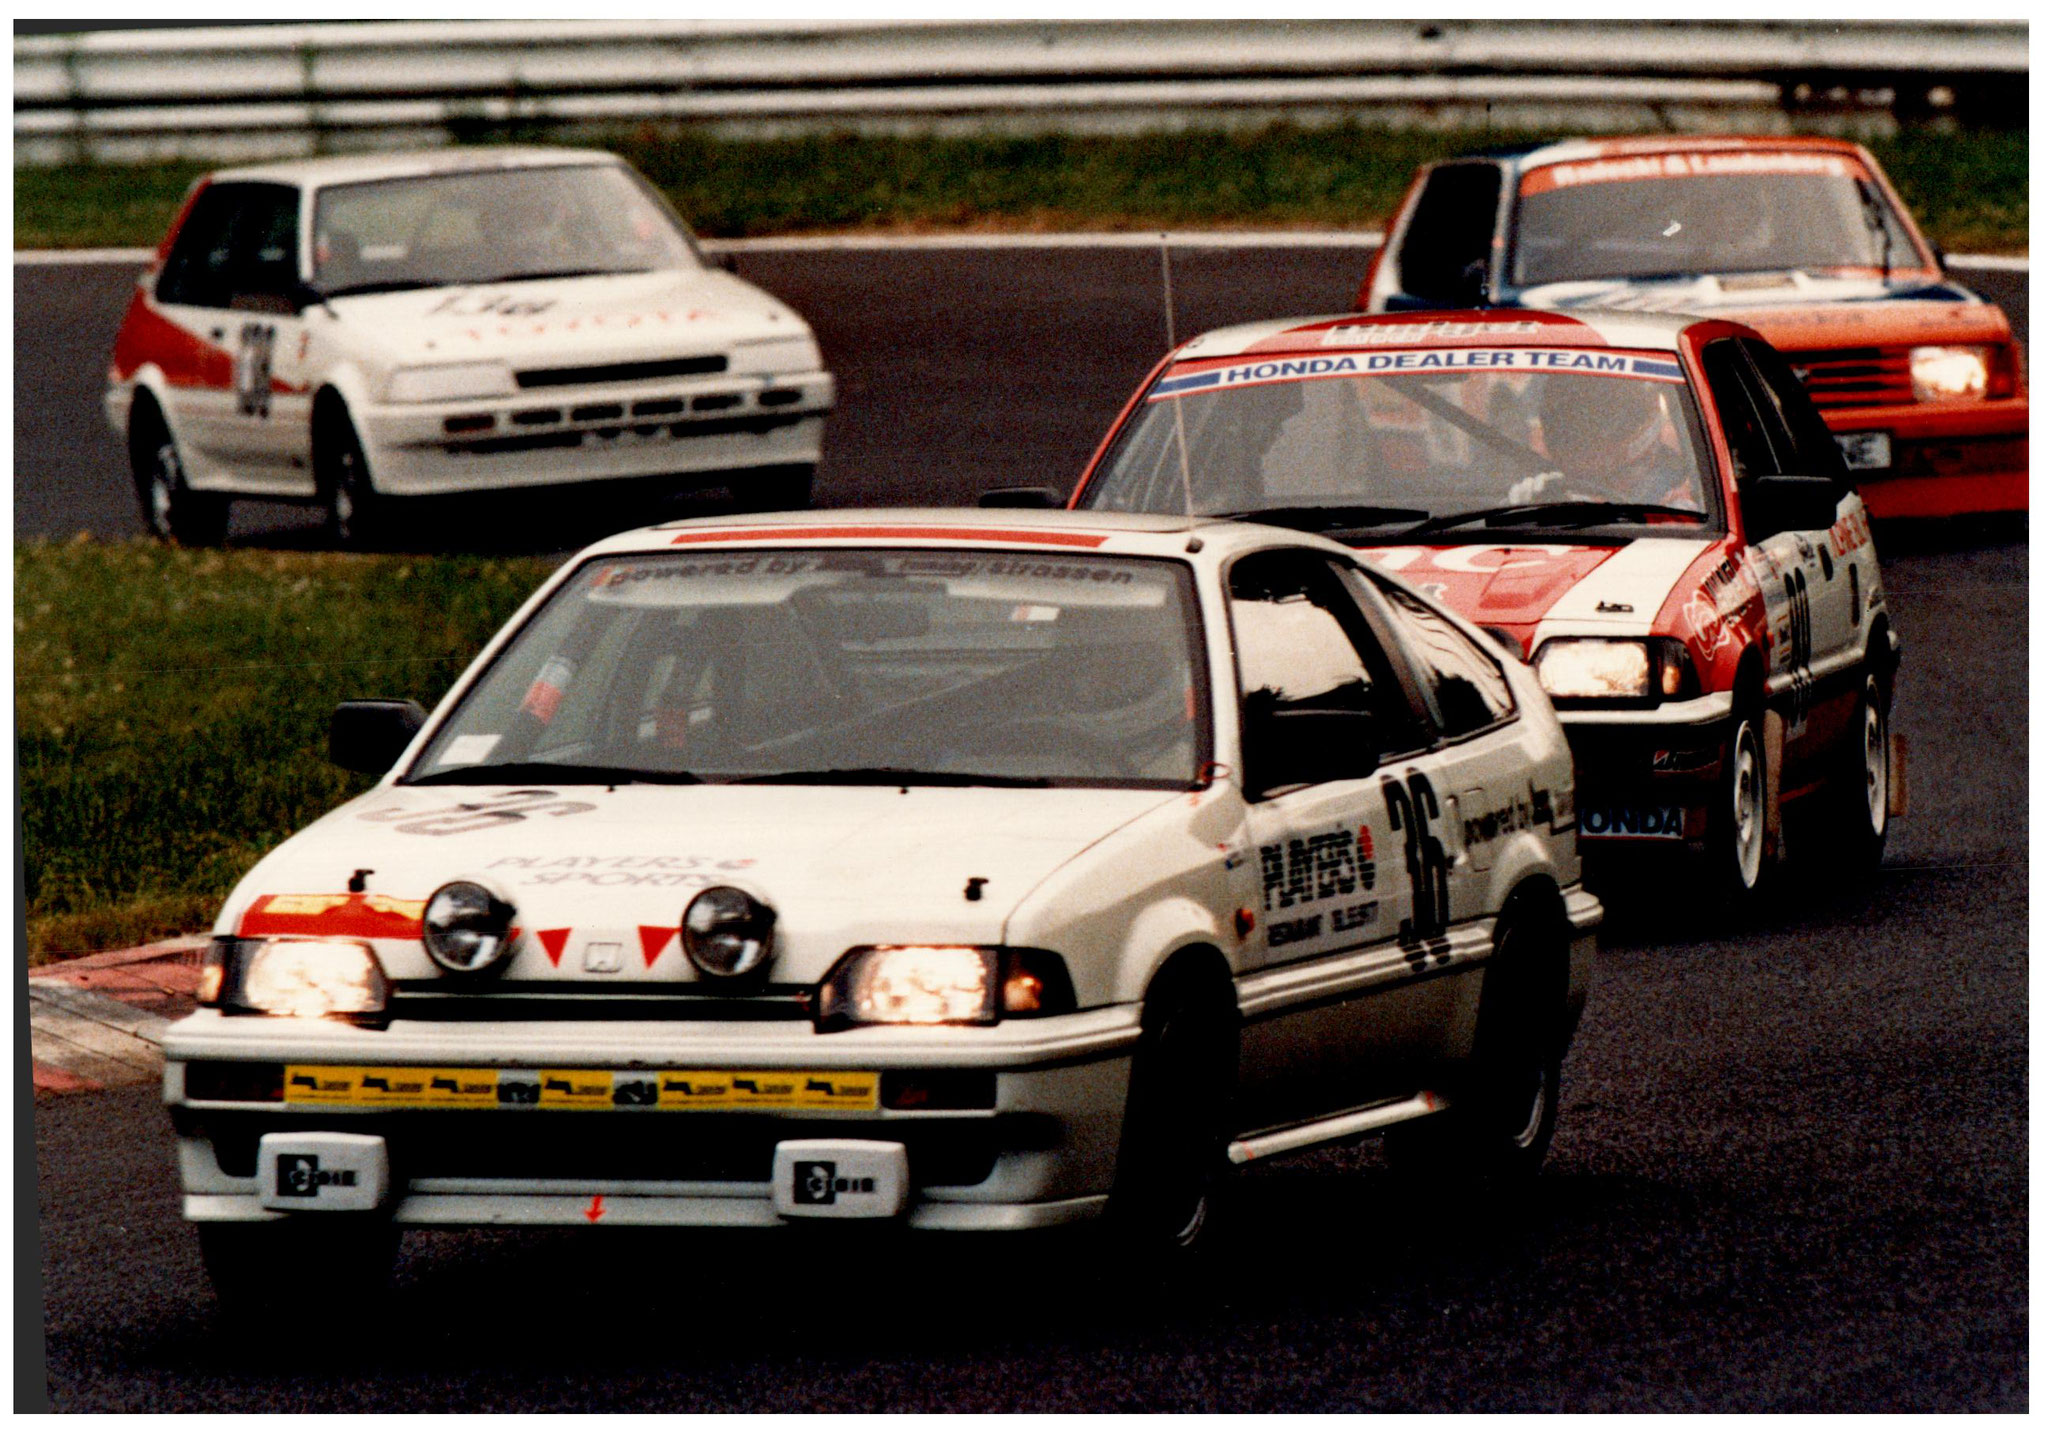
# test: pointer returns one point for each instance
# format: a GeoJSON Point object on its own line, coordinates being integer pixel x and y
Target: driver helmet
{"type": "Point", "coordinates": [1604, 431]}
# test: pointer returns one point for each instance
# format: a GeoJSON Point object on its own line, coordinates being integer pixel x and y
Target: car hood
{"type": "Point", "coordinates": [1515, 588]}
{"type": "Point", "coordinates": [586, 866]}
{"type": "Point", "coordinates": [604, 318]}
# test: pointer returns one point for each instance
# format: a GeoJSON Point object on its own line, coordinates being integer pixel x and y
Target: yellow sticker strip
{"type": "Point", "coordinates": [424, 1087]}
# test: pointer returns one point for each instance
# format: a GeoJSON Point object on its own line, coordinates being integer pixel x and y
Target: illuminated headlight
{"type": "Point", "coordinates": [942, 985]}
{"type": "Point", "coordinates": [466, 928]}
{"type": "Point", "coordinates": [1943, 372]}
{"type": "Point", "coordinates": [1594, 667]}
{"type": "Point", "coordinates": [448, 382]}
{"type": "Point", "coordinates": [307, 978]}
{"type": "Point", "coordinates": [726, 932]}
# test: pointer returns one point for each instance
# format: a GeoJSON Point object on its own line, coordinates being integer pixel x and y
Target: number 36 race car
{"type": "Point", "coordinates": [898, 867]}
{"type": "Point", "coordinates": [1647, 508]}
{"type": "Point", "coordinates": [352, 330]}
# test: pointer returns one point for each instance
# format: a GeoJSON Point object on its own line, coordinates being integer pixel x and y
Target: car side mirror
{"type": "Point", "coordinates": [1782, 502]}
{"type": "Point", "coordinates": [1036, 497]}
{"type": "Point", "coordinates": [368, 736]}
{"type": "Point", "coordinates": [1305, 746]}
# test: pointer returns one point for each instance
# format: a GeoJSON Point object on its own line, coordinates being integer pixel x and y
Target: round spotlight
{"type": "Point", "coordinates": [726, 932]}
{"type": "Point", "coordinates": [466, 928]}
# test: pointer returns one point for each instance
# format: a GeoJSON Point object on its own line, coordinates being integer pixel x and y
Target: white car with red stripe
{"type": "Point", "coordinates": [1645, 507]}
{"type": "Point", "coordinates": [902, 866]}
{"type": "Point", "coordinates": [351, 331]}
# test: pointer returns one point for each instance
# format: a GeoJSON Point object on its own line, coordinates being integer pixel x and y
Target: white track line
{"type": "Point", "coordinates": [847, 243]}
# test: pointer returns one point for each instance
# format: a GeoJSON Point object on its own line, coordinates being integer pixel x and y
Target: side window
{"type": "Point", "coordinates": [1749, 435]}
{"type": "Point", "coordinates": [1448, 247]}
{"type": "Point", "coordinates": [263, 250]}
{"type": "Point", "coordinates": [1470, 690]}
{"type": "Point", "coordinates": [1318, 699]}
{"type": "Point", "coordinates": [196, 270]}
{"type": "Point", "coordinates": [1814, 450]}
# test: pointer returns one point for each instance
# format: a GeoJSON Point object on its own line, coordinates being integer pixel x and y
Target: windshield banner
{"type": "Point", "coordinates": [1209, 374]}
{"type": "Point", "coordinates": [1686, 166]}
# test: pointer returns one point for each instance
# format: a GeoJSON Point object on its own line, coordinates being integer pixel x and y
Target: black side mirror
{"type": "Point", "coordinates": [1784, 503]}
{"type": "Point", "coordinates": [1022, 498]}
{"type": "Point", "coordinates": [1304, 746]}
{"type": "Point", "coordinates": [368, 736]}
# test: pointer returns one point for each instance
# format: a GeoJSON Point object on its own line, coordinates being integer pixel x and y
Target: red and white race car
{"type": "Point", "coordinates": [1802, 239]}
{"type": "Point", "coordinates": [355, 330]}
{"type": "Point", "coordinates": [1645, 507]}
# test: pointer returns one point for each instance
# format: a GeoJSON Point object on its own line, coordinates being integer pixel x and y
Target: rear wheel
{"type": "Point", "coordinates": [261, 1271]}
{"type": "Point", "coordinates": [172, 511]}
{"type": "Point", "coordinates": [1171, 1163]}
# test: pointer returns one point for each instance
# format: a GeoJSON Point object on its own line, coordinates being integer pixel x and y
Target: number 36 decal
{"type": "Point", "coordinates": [1410, 811]}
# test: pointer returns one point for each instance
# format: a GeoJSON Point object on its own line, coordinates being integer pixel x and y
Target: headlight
{"type": "Point", "coordinates": [466, 928]}
{"type": "Point", "coordinates": [942, 985]}
{"type": "Point", "coordinates": [448, 382]}
{"type": "Point", "coordinates": [726, 932]}
{"type": "Point", "coordinates": [1943, 372]}
{"type": "Point", "coordinates": [1594, 667]}
{"type": "Point", "coordinates": [303, 977]}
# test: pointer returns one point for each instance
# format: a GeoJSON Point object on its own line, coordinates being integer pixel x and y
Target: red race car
{"type": "Point", "coordinates": [1802, 239]}
{"type": "Point", "coordinates": [1647, 508]}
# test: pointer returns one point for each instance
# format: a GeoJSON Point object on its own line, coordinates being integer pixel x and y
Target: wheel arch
{"type": "Point", "coordinates": [334, 404]}
{"type": "Point", "coordinates": [1535, 976]}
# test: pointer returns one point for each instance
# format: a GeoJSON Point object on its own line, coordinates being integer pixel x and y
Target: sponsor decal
{"type": "Point", "coordinates": [469, 750]}
{"type": "Point", "coordinates": [1519, 813]}
{"type": "Point", "coordinates": [1364, 335]}
{"type": "Point", "coordinates": [616, 871]}
{"type": "Point", "coordinates": [1665, 823]}
{"type": "Point", "coordinates": [466, 816]}
{"type": "Point", "coordinates": [544, 697]}
{"type": "Point", "coordinates": [1305, 870]}
{"type": "Point", "coordinates": [1216, 374]}
{"type": "Point", "coordinates": [818, 1181]}
{"type": "Point", "coordinates": [300, 1176]}
{"type": "Point", "coordinates": [1684, 166]}
{"type": "Point", "coordinates": [365, 917]}
{"type": "Point", "coordinates": [1849, 533]}
{"type": "Point", "coordinates": [470, 304]}
{"type": "Point", "coordinates": [253, 356]}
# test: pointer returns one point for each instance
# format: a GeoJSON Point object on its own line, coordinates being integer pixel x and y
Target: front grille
{"type": "Point", "coordinates": [648, 1145]}
{"type": "Point", "coordinates": [1855, 377]}
{"type": "Point", "coordinates": [561, 1000]}
{"type": "Point", "coordinates": [760, 424]}
{"type": "Point", "coordinates": [620, 372]}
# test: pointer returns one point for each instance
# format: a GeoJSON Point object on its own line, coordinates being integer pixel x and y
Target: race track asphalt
{"type": "Point", "coordinates": [1791, 1172]}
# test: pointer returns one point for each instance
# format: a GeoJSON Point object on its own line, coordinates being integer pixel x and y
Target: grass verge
{"type": "Point", "coordinates": [171, 711]}
{"type": "Point", "coordinates": [1969, 190]}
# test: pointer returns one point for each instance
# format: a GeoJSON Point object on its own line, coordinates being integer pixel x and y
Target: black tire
{"type": "Point", "coordinates": [786, 489]}
{"type": "Point", "coordinates": [1171, 1163]}
{"type": "Point", "coordinates": [1859, 803]}
{"type": "Point", "coordinates": [1741, 864]}
{"type": "Point", "coordinates": [171, 510]}
{"type": "Point", "coordinates": [1503, 1110]}
{"type": "Point", "coordinates": [262, 1272]}
{"type": "Point", "coordinates": [357, 515]}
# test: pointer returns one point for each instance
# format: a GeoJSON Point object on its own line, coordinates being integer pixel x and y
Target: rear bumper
{"type": "Point", "coordinates": [1947, 458]}
{"type": "Point", "coordinates": [1038, 1149]}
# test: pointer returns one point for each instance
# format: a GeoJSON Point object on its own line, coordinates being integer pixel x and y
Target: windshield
{"type": "Point", "coordinates": [1371, 445]}
{"type": "Point", "coordinates": [844, 666]}
{"type": "Point", "coordinates": [1719, 213]}
{"type": "Point", "coordinates": [491, 226]}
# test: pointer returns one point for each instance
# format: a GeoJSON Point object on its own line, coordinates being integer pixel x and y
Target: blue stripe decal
{"type": "Point", "coordinates": [1192, 380]}
{"type": "Point", "coordinates": [1656, 370]}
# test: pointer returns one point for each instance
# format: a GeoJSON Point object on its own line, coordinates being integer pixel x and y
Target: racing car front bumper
{"type": "Point", "coordinates": [544, 437]}
{"type": "Point", "coordinates": [1648, 777]}
{"type": "Point", "coordinates": [1947, 458]}
{"type": "Point", "coordinates": [1007, 1127]}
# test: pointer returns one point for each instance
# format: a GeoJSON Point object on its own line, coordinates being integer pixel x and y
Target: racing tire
{"type": "Point", "coordinates": [1739, 857]}
{"type": "Point", "coordinates": [261, 1272]}
{"type": "Point", "coordinates": [1171, 1164]}
{"type": "Point", "coordinates": [171, 510]}
{"type": "Point", "coordinates": [785, 489]}
{"type": "Point", "coordinates": [1860, 801]}
{"type": "Point", "coordinates": [357, 515]}
{"type": "Point", "coordinates": [1503, 1111]}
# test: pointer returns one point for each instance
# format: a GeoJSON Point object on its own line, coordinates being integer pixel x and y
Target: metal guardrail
{"type": "Point", "coordinates": [226, 92]}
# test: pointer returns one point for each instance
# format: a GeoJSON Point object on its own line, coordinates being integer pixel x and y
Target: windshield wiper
{"type": "Point", "coordinates": [1324, 517]}
{"type": "Point", "coordinates": [885, 776]}
{"type": "Point", "coordinates": [1573, 512]}
{"type": "Point", "coordinates": [556, 773]}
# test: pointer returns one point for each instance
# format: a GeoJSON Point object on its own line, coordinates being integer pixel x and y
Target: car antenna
{"type": "Point", "coordinates": [1180, 432]}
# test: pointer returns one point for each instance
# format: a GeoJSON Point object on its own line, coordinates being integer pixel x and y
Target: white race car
{"type": "Point", "coordinates": [904, 866]}
{"type": "Point", "coordinates": [350, 330]}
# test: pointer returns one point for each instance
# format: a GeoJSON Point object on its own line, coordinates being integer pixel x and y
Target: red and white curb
{"type": "Point", "coordinates": [98, 1022]}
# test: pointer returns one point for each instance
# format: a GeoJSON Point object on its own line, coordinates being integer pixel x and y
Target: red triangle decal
{"type": "Point", "coordinates": [553, 942]}
{"type": "Point", "coordinates": [654, 940]}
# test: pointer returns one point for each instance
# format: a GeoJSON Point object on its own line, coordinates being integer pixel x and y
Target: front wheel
{"type": "Point", "coordinates": [1171, 1163]}
{"type": "Point", "coordinates": [355, 511]}
{"type": "Point", "coordinates": [172, 511]}
{"type": "Point", "coordinates": [1738, 824]}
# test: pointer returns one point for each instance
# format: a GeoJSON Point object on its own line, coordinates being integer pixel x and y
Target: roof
{"type": "Point", "coordinates": [1470, 328]}
{"type": "Point", "coordinates": [357, 168]}
{"type": "Point", "coordinates": [1530, 156]}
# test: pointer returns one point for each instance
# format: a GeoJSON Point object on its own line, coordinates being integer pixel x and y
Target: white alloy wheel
{"type": "Point", "coordinates": [1746, 804]}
